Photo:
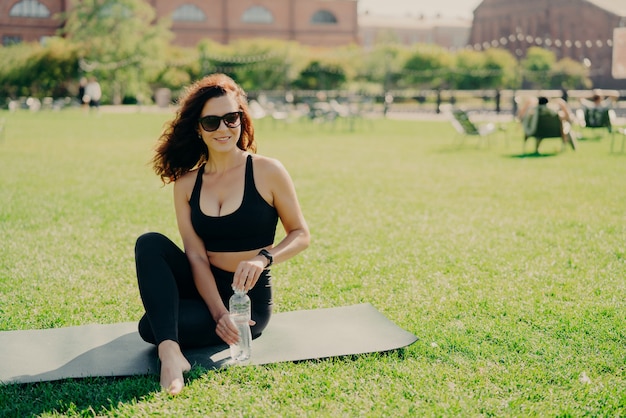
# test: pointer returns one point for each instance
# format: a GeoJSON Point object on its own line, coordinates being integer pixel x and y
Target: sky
{"type": "Point", "coordinates": [447, 8]}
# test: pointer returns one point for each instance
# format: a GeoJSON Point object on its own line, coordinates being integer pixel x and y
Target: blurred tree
{"type": "Point", "coordinates": [53, 69]}
{"type": "Point", "coordinates": [120, 42]}
{"type": "Point", "coordinates": [32, 69]}
{"type": "Point", "coordinates": [256, 64]}
{"type": "Point", "coordinates": [470, 72]}
{"type": "Point", "coordinates": [350, 58]}
{"type": "Point", "coordinates": [537, 66]}
{"type": "Point", "coordinates": [383, 65]}
{"type": "Point", "coordinates": [501, 66]}
{"type": "Point", "coordinates": [320, 76]}
{"type": "Point", "coordinates": [428, 66]}
{"type": "Point", "coordinates": [13, 60]}
{"type": "Point", "coordinates": [182, 67]}
{"type": "Point", "coordinates": [570, 74]}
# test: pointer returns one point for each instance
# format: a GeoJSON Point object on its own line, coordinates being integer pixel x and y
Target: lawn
{"type": "Point", "coordinates": [510, 270]}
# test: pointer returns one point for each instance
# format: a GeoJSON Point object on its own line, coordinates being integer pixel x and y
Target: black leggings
{"type": "Point", "coordinates": [174, 308]}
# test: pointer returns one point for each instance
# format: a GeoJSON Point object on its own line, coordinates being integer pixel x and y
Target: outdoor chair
{"type": "Point", "coordinates": [549, 125]}
{"type": "Point", "coordinates": [622, 134]}
{"type": "Point", "coordinates": [2, 128]}
{"type": "Point", "coordinates": [594, 118]}
{"type": "Point", "coordinates": [465, 127]}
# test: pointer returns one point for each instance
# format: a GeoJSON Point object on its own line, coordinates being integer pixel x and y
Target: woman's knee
{"type": "Point", "coordinates": [150, 241]}
{"type": "Point", "coordinates": [261, 319]}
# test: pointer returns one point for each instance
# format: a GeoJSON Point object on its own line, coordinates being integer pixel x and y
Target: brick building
{"type": "Point", "coordinates": [29, 20]}
{"type": "Point", "coordinates": [450, 33]}
{"type": "Point", "coordinates": [579, 29]}
{"type": "Point", "coordinates": [311, 22]}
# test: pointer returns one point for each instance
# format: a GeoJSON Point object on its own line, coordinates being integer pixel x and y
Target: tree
{"type": "Point", "coordinates": [119, 41]}
{"type": "Point", "coordinates": [13, 60]}
{"type": "Point", "coordinates": [536, 67]}
{"type": "Point", "coordinates": [501, 68]}
{"type": "Point", "coordinates": [52, 69]}
{"type": "Point", "coordinates": [429, 66]}
{"type": "Point", "coordinates": [182, 67]}
{"type": "Point", "coordinates": [383, 65]}
{"type": "Point", "coordinates": [320, 76]}
{"type": "Point", "coordinates": [570, 74]}
{"type": "Point", "coordinates": [32, 69]}
{"type": "Point", "coordinates": [258, 64]}
{"type": "Point", "coordinates": [470, 72]}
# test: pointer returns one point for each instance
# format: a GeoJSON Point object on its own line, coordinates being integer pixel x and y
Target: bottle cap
{"type": "Point", "coordinates": [238, 291]}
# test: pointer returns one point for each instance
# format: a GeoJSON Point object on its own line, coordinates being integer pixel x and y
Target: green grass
{"type": "Point", "coordinates": [510, 270]}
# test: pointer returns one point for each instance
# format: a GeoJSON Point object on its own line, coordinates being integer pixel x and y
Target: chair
{"type": "Point", "coordinates": [548, 125]}
{"type": "Point", "coordinates": [622, 134]}
{"type": "Point", "coordinates": [465, 127]}
{"type": "Point", "coordinates": [594, 118]}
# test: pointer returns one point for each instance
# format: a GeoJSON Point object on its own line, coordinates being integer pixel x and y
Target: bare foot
{"type": "Point", "coordinates": [173, 365]}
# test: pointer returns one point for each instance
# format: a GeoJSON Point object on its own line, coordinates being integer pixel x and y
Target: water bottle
{"type": "Point", "coordinates": [239, 307]}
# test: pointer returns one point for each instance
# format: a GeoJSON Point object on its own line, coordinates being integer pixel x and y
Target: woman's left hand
{"type": "Point", "coordinates": [248, 272]}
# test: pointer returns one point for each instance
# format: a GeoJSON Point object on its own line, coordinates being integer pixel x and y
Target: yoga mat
{"type": "Point", "coordinates": [117, 350]}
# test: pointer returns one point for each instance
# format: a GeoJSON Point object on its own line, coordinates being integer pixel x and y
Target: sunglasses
{"type": "Point", "coordinates": [210, 123]}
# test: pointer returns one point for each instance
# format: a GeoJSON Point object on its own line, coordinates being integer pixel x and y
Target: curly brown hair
{"type": "Point", "coordinates": [179, 148]}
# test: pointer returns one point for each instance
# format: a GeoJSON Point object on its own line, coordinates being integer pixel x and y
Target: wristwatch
{"type": "Point", "coordinates": [267, 255]}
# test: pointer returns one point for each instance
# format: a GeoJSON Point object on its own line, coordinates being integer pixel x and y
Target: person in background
{"type": "Point", "coordinates": [93, 93]}
{"type": "Point", "coordinates": [82, 84]}
{"type": "Point", "coordinates": [597, 111]}
{"type": "Point", "coordinates": [601, 99]}
{"type": "Point", "coordinates": [228, 201]}
{"type": "Point", "coordinates": [533, 107]}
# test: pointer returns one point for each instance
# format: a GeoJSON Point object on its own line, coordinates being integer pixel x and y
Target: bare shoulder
{"type": "Point", "coordinates": [268, 167]}
{"type": "Point", "coordinates": [185, 183]}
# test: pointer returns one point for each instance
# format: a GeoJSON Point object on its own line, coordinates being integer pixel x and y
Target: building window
{"type": "Point", "coordinates": [116, 11]}
{"type": "Point", "coordinates": [11, 39]}
{"type": "Point", "coordinates": [188, 13]}
{"type": "Point", "coordinates": [29, 8]}
{"type": "Point", "coordinates": [324, 17]}
{"type": "Point", "coordinates": [257, 14]}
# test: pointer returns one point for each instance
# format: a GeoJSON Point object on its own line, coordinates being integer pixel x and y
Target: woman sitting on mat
{"type": "Point", "coordinates": [228, 201]}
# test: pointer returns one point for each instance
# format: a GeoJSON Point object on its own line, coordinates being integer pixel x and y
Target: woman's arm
{"type": "Point", "coordinates": [286, 203]}
{"type": "Point", "coordinates": [199, 261]}
{"type": "Point", "coordinates": [275, 185]}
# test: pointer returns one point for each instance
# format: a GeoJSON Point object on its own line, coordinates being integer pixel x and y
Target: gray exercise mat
{"type": "Point", "coordinates": [117, 350]}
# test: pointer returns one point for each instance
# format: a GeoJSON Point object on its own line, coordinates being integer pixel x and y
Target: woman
{"type": "Point", "coordinates": [227, 203]}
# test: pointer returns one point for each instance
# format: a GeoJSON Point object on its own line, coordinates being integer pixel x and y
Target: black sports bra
{"type": "Point", "coordinates": [251, 226]}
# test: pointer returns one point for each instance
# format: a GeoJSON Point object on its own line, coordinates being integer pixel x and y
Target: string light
{"type": "Point", "coordinates": [242, 59]}
{"type": "Point", "coordinates": [548, 42]}
{"type": "Point", "coordinates": [91, 66]}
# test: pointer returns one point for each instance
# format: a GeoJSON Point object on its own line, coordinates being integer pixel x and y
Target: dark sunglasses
{"type": "Point", "coordinates": [210, 123]}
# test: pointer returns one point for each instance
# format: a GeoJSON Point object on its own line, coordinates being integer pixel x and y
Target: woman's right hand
{"type": "Point", "coordinates": [226, 330]}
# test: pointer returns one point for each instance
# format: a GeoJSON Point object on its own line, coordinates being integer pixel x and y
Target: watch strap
{"type": "Point", "coordinates": [268, 255]}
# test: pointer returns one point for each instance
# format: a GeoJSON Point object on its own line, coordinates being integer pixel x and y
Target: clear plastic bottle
{"type": "Point", "coordinates": [240, 312]}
